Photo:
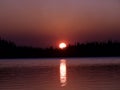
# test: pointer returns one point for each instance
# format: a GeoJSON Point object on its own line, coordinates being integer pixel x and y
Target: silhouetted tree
{"type": "Point", "coordinates": [8, 49]}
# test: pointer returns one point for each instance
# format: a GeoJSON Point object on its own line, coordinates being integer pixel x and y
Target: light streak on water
{"type": "Point", "coordinates": [63, 72]}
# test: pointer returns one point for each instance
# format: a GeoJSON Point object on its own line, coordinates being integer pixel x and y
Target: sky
{"type": "Point", "coordinates": [44, 23]}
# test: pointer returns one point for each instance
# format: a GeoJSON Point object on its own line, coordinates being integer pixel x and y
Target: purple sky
{"type": "Point", "coordinates": [44, 23]}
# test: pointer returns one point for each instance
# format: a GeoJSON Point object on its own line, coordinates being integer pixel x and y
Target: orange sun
{"type": "Point", "coordinates": [62, 45]}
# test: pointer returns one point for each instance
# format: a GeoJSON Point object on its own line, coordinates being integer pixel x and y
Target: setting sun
{"type": "Point", "coordinates": [62, 45]}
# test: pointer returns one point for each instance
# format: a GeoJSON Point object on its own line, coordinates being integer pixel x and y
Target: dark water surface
{"type": "Point", "coordinates": [60, 74]}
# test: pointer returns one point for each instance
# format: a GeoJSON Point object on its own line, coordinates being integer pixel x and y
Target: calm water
{"type": "Point", "coordinates": [60, 74]}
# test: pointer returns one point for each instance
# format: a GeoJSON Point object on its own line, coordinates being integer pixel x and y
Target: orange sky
{"type": "Point", "coordinates": [44, 23]}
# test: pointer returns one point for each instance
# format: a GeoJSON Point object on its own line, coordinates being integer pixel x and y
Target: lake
{"type": "Point", "coordinates": [60, 74]}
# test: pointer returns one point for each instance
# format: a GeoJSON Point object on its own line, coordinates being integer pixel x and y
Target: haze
{"type": "Point", "coordinates": [43, 23]}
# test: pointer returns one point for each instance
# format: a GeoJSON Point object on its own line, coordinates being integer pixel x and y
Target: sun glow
{"type": "Point", "coordinates": [62, 45]}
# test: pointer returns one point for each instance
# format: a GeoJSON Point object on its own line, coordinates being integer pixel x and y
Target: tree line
{"type": "Point", "coordinates": [9, 49]}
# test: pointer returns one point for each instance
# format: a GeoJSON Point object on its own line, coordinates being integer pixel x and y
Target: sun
{"type": "Point", "coordinates": [62, 45]}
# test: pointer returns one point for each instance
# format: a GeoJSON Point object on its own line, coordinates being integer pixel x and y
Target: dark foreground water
{"type": "Point", "coordinates": [60, 74]}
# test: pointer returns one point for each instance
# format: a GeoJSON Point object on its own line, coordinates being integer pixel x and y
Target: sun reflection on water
{"type": "Point", "coordinates": [63, 72]}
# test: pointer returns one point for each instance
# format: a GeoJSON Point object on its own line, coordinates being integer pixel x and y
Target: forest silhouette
{"type": "Point", "coordinates": [9, 49]}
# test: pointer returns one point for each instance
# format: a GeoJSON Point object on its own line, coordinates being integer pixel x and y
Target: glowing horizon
{"type": "Point", "coordinates": [45, 22]}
